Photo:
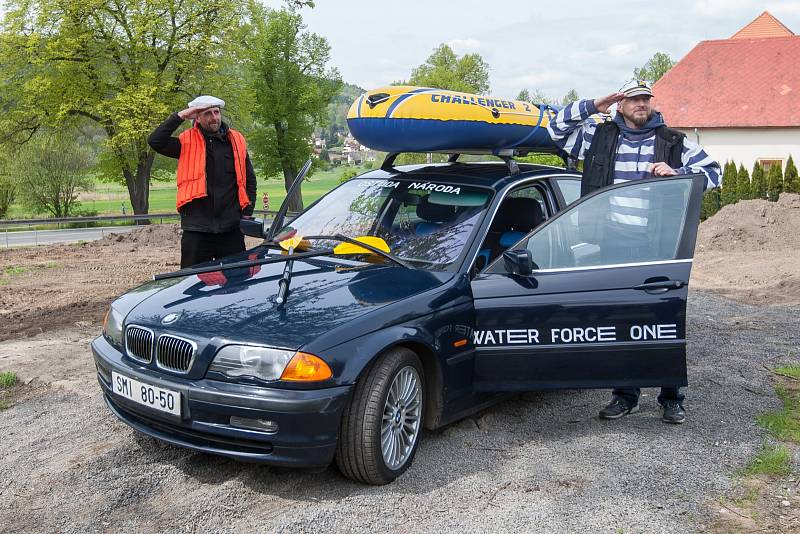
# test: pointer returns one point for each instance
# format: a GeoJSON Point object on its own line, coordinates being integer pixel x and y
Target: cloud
{"type": "Point", "coordinates": [622, 49]}
{"type": "Point", "coordinates": [724, 8]}
{"type": "Point", "coordinates": [461, 46]}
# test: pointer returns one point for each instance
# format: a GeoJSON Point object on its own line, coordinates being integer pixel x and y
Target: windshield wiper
{"type": "Point", "coordinates": [246, 263]}
{"type": "Point", "coordinates": [345, 239]}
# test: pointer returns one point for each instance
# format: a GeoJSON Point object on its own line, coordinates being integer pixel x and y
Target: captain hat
{"type": "Point", "coordinates": [636, 88]}
{"type": "Point", "coordinates": [207, 101]}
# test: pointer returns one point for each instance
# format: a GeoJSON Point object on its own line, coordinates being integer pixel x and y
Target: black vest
{"type": "Point", "coordinates": [598, 164]}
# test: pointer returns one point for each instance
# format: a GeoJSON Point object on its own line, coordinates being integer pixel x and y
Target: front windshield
{"type": "Point", "coordinates": [425, 223]}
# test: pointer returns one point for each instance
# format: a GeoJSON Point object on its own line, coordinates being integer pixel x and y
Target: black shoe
{"type": "Point", "coordinates": [617, 408]}
{"type": "Point", "coordinates": [673, 412]}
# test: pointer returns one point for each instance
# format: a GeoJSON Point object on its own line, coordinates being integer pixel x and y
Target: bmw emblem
{"type": "Point", "coordinates": [170, 318]}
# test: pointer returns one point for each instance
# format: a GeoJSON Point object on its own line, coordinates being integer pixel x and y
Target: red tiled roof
{"type": "Point", "coordinates": [764, 25]}
{"type": "Point", "coordinates": [734, 83]}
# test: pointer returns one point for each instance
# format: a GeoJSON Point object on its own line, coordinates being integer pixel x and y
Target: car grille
{"type": "Point", "coordinates": [174, 353]}
{"type": "Point", "coordinates": [139, 342]}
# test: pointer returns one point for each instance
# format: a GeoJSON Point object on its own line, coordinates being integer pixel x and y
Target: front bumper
{"type": "Point", "coordinates": [308, 420]}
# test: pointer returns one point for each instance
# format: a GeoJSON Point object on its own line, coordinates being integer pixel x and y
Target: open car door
{"type": "Point", "coordinates": [603, 302]}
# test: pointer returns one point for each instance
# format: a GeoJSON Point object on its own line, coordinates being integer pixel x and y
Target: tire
{"type": "Point", "coordinates": [361, 453]}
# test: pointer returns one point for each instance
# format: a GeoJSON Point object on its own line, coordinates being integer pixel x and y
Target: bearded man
{"type": "Point", "coordinates": [634, 144]}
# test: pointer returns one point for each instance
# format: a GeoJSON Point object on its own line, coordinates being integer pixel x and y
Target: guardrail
{"type": "Point", "coordinates": [10, 227]}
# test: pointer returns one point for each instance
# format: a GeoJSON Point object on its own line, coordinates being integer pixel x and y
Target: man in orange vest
{"type": "Point", "coordinates": [216, 180]}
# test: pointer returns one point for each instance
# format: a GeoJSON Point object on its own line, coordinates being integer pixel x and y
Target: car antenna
{"type": "Point", "coordinates": [277, 222]}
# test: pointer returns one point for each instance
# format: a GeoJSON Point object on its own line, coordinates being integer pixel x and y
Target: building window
{"type": "Point", "coordinates": [767, 163]}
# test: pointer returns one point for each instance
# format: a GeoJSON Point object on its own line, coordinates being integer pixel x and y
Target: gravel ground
{"type": "Point", "coordinates": [536, 462]}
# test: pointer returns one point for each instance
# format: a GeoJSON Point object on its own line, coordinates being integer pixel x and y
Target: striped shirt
{"type": "Point", "coordinates": [573, 129]}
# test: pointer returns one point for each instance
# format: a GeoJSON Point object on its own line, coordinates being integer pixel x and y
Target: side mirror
{"type": "Point", "coordinates": [519, 262]}
{"type": "Point", "coordinates": [252, 227]}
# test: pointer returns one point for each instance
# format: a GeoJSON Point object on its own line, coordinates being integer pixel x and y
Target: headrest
{"type": "Point", "coordinates": [521, 213]}
{"type": "Point", "coordinates": [435, 212]}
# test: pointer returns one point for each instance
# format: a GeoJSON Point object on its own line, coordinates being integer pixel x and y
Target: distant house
{"type": "Point", "coordinates": [739, 97]}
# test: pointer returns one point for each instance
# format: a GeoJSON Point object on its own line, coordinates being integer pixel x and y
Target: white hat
{"type": "Point", "coordinates": [207, 101]}
{"type": "Point", "coordinates": [636, 88]}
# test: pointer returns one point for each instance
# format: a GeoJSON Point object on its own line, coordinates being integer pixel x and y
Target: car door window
{"type": "Point", "coordinates": [521, 211]}
{"type": "Point", "coordinates": [629, 224]}
{"type": "Point", "coordinates": [570, 189]}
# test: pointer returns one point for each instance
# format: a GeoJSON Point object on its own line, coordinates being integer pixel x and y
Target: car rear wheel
{"type": "Point", "coordinates": [381, 425]}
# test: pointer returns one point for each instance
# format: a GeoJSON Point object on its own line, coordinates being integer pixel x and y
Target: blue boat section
{"type": "Point", "coordinates": [431, 135]}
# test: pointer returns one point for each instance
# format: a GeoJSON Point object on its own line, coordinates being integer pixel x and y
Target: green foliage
{"type": "Point", "coordinates": [729, 184]}
{"type": "Point", "coordinates": [785, 424]}
{"type": "Point", "coordinates": [791, 181]}
{"type": "Point", "coordinates": [771, 460]}
{"type": "Point", "coordinates": [8, 379]}
{"type": "Point", "coordinates": [655, 68]}
{"type": "Point", "coordinates": [542, 159]}
{"type": "Point", "coordinates": [336, 128]}
{"type": "Point", "coordinates": [445, 70]}
{"type": "Point", "coordinates": [742, 184]}
{"type": "Point", "coordinates": [51, 170]}
{"type": "Point", "coordinates": [123, 66]}
{"type": "Point", "coordinates": [758, 182]}
{"type": "Point", "coordinates": [774, 182]}
{"type": "Point", "coordinates": [570, 97]}
{"type": "Point", "coordinates": [292, 87]}
{"type": "Point", "coordinates": [347, 174]}
{"type": "Point", "coordinates": [711, 203]}
{"type": "Point", "coordinates": [8, 185]}
{"type": "Point", "coordinates": [791, 371]}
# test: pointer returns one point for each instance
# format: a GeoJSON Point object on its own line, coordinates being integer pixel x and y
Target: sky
{"type": "Point", "coordinates": [552, 46]}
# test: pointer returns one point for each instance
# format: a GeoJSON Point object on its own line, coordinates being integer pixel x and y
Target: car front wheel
{"type": "Point", "coordinates": [381, 425]}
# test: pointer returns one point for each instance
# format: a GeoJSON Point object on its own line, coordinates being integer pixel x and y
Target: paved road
{"type": "Point", "coordinates": [48, 237]}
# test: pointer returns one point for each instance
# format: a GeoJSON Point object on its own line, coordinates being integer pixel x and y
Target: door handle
{"type": "Point", "coordinates": [664, 285]}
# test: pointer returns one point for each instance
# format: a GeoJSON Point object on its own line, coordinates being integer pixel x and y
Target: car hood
{"type": "Point", "coordinates": [240, 304]}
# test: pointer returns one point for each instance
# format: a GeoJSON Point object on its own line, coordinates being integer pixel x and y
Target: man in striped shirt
{"type": "Point", "coordinates": [633, 145]}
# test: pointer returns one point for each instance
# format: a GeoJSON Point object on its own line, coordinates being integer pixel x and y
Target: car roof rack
{"type": "Point", "coordinates": [507, 155]}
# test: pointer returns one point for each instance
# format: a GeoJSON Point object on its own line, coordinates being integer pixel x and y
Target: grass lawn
{"type": "Point", "coordinates": [108, 199]}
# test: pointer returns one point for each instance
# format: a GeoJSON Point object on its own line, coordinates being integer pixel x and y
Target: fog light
{"type": "Point", "coordinates": [254, 424]}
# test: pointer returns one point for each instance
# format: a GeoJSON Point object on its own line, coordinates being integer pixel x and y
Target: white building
{"type": "Point", "coordinates": [739, 97]}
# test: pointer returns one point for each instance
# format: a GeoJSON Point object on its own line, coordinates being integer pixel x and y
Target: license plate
{"type": "Point", "coordinates": [163, 400]}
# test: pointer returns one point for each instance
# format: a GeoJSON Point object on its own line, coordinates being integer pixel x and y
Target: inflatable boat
{"type": "Point", "coordinates": [419, 119]}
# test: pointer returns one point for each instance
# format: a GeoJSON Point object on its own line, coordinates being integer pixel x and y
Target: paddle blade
{"type": "Point", "coordinates": [352, 248]}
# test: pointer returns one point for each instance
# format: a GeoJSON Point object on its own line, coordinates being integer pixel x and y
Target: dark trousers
{"type": "Point", "coordinates": [197, 247]}
{"type": "Point", "coordinates": [631, 395]}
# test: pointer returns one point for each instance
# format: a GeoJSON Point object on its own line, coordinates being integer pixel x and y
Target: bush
{"type": "Point", "coordinates": [743, 184]}
{"type": "Point", "coordinates": [347, 174]}
{"type": "Point", "coordinates": [758, 182]}
{"type": "Point", "coordinates": [774, 182]}
{"type": "Point", "coordinates": [711, 203]}
{"type": "Point", "coordinates": [791, 182]}
{"type": "Point", "coordinates": [729, 188]}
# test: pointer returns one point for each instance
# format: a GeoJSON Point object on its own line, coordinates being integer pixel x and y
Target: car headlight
{"type": "Point", "coordinates": [112, 327]}
{"type": "Point", "coordinates": [269, 364]}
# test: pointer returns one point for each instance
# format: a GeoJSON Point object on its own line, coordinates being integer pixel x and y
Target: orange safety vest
{"type": "Point", "coordinates": [192, 166]}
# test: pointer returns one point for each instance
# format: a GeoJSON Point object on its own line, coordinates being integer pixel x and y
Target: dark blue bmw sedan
{"type": "Point", "coordinates": [406, 297]}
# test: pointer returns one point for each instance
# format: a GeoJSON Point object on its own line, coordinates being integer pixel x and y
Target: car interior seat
{"type": "Point", "coordinates": [516, 217]}
{"type": "Point", "coordinates": [433, 215]}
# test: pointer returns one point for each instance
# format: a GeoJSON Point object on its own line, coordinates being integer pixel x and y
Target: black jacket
{"type": "Point", "coordinates": [598, 165]}
{"type": "Point", "coordinates": [219, 210]}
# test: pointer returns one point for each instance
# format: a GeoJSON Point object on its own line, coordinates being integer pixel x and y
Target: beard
{"type": "Point", "coordinates": [639, 120]}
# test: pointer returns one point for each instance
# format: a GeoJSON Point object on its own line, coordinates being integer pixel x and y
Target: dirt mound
{"type": "Point", "coordinates": [159, 235]}
{"type": "Point", "coordinates": [752, 225]}
{"type": "Point", "coordinates": [750, 251]}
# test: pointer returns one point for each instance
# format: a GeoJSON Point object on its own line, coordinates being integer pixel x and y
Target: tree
{"type": "Point", "coordinates": [791, 182]}
{"type": "Point", "coordinates": [743, 184]}
{"type": "Point", "coordinates": [292, 87]}
{"type": "Point", "coordinates": [121, 65]}
{"type": "Point", "coordinates": [538, 97]}
{"type": "Point", "coordinates": [8, 186]}
{"type": "Point", "coordinates": [774, 182]}
{"type": "Point", "coordinates": [758, 182]}
{"type": "Point", "coordinates": [711, 203]}
{"type": "Point", "coordinates": [570, 97]}
{"type": "Point", "coordinates": [728, 195]}
{"type": "Point", "coordinates": [655, 68]}
{"type": "Point", "coordinates": [445, 70]}
{"type": "Point", "coordinates": [51, 170]}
